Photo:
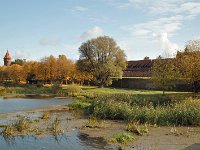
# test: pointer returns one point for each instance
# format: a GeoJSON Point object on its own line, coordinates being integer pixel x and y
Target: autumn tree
{"type": "Point", "coordinates": [15, 73]}
{"type": "Point", "coordinates": [63, 68]}
{"type": "Point", "coordinates": [30, 70]}
{"type": "Point", "coordinates": [188, 63]}
{"type": "Point", "coordinates": [47, 69]}
{"type": "Point", "coordinates": [164, 73]}
{"type": "Point", "coordinates": [103, 59]}
{"type": "Point", "coordinates": [79, 76]}
{"type": "Point", "coordinates": [3, 73]}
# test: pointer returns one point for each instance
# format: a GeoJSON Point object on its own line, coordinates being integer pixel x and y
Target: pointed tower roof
{"type": "Point", "coordinates": [7, 56]}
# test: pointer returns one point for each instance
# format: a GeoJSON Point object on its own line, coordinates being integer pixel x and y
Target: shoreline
{"type": "Point", "coordinates": [159, 137]}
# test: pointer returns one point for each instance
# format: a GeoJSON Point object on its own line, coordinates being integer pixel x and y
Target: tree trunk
{"type": "Point", "coordinates": [195, 86]}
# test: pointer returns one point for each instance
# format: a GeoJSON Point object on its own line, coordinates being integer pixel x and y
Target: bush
{"type": "Point", "coordinates": [73, 90]}
{"type": "Point", "coordinates": [2, 90]}
{"type": "Point", "coordinates": [56, 89]}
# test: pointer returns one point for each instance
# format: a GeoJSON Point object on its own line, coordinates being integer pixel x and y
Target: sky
{"type": "Point", "coordinates": [34, 29]}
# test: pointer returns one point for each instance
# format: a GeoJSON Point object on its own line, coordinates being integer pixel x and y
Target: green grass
{"type": "Point", "coordinates": [174, 108]}
{"type": "Point", "coordinates": [122, 138]}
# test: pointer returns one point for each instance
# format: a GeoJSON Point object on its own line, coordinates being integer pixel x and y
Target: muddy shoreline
{"type": "Point", "coordinates": [157, 138]}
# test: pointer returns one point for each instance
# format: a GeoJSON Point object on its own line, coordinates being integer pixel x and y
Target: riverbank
{"type": "Point", "coordinates": [156, 138]}
{"type": "Point", "coordinates": [139, 119]}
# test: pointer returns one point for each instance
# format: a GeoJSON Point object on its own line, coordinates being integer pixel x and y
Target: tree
{"type": "Point", "coordinates": [164, 73]}
{"type": "Point", "coordinates": [31, 71]}
{"type": "Point", "coordinates": [103, 59]}
{"type": "Point", "coordinates": [146, 58]}
{"type": "Point", "coordinates": [48, 68]}
{"type": "Point", "coordinates": [188, 63]}
{"type": "Point", "coordinates": [19, 61]}
{"type": "Point", "coordinates": [15, 73]}
{"type": "Point", "coordinates": [63, 68]}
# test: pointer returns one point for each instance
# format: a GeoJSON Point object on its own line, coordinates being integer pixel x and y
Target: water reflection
{"type": "Point", "coordinates": [69, 141]}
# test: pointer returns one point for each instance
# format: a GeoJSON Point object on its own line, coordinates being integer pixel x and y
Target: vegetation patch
{"type": "Point", "coordinates": [22, 125]}
{"type": "Point", "coordinates": [73, 90]}
{"type": "Point", "coordinates": [152, 110]}
{"type": "Point", "coordinates": [94, 123]}
{"type": "Point", "coordinates": [55, 127]}
{"type": "Point", "coordinates": [45, 115]}
{"type": "Point", "coordinates": [123, 138]}
{"type": "Point", "coordinates": [137, 128]}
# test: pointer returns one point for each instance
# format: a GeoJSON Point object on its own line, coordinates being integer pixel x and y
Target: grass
{"type": "Point", "coordinates": [122, 138]}
{"type": "Point", "coordinates": [22, 124]}
{"type": "Point", "coordinates": [8, 131]}
{"type": "Point", "coordinates": [46, 115]}
{"type": "Point", "coordinates": [94, 123]}
{"type": "Point", "coordinates": [55, 127]}
{"type": "Point", "coordinates": [137, 128]}
{"type": "Point", "coordinates": [175, 108]}
{"type": "Point", "coordinates": [147, 107]}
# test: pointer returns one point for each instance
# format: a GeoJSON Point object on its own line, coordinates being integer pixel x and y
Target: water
{"type": "Point", "coordinates": [70, 141]}
{"type": "Point", "coordinates": [17, 104]}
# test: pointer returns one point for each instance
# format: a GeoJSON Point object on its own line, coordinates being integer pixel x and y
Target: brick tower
{"type": "Point", "coordinates": [7, 59]}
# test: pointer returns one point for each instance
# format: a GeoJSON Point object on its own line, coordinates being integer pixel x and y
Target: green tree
{"type": "Point", "coordinates": [164, 73]}
{"type": "Point", "coordinates": [188, 63]}
{"type": "Point", "coordinates": [19, 61]}
{"type": "Point", "coordinates": [146, 58]}
{"type": "Point", "coordinates": [102, 58]}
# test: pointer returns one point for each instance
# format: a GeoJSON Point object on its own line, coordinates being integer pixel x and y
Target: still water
{"type": "Point", "coordinates": [73, 140]}
{"type": "Point", "coordinates": [70, 141]}
{"type": "Point", "coordinates": [17, 104]}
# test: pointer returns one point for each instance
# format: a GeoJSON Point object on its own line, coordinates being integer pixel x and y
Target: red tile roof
{"type": "Point", "coordinates": [7, 56]}
{"type": "Point", "coordinates": [139, 68]}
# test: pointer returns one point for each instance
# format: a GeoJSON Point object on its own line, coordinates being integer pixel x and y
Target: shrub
{"type": "Point", "coordinates": [2, 90]}
{"type": "Point", "coordinates": [56, 89]}
{"type": "Point", "coordinates": [73, 90]}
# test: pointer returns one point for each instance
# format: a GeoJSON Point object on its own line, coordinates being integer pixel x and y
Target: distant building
{"type": "Point", "coordinates": [7, 59]}
{"type": "Point", "coordinates": [138, 68]}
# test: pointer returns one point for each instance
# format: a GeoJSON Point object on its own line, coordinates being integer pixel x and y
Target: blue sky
{"type": "Point", "coordinates": [34, 29]}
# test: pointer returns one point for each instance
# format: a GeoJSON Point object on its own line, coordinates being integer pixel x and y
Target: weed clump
{"type": "Point", "coordinates": [137, 128]}
{"type": "Point", "coordinates": [122, 138]}
{"type": "Point", "coordinates": [22, 124]}
{"type": "Point", "coordinates": [93, 122]}
{"type": "Point", "coordinates": [8, 131]}
{"type": "Point", "coordinates": [45, 115]}
{"type": "Point", "coordinates": [55, 127]}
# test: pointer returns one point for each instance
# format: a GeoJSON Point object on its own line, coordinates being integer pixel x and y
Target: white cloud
{"type": "Point", "coordinates": [169, 17]}
{"type": "Point", "coordinates": [19, 54]}
{"type": "Point", "coordinates": [169, 48]}
{"type": "Point", "coordinates": [50, 42]}
{"type": "Point", "coordinates": [150, 29]}
{"type": "Point", "coordinates": [78, 9]}
{"type": "Point", "coordinates": [91, 33]}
